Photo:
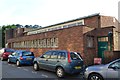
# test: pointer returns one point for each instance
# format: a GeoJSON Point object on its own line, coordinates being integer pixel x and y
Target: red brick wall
{"type": "Point", "coordinates": [70, 39]}
{"type": "Point", "coordinates": [111, 55]}
{"type": "Point", "coordinates": [90, 53]}
{"type": "Point", "coordinates": [92, 21]}
{"type": "Point", "coordinates": [18, 32]}
{"type": "Point", "coordinates": [107, 21]}
{"type": "Point", "coordinates": [103, 31]}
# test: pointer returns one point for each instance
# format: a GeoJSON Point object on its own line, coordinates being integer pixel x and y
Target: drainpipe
{"type": "Point", "coordinates": [110, 35]}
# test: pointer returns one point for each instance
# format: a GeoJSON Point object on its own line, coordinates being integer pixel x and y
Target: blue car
{"type": "Point", "coordinates": [21, 57]}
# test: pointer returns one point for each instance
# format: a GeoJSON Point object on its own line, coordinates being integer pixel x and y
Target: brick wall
{"type": "Point", "coordinates": [111, 55]}
{"type": "Point", "coordinates": [18, 32]}
{"type": "Point", "coordinates": [106, 21]}
{"type": "Point", "coordinates": [92, 21]}
{"type": "Point", "coordinates": [70, 39]}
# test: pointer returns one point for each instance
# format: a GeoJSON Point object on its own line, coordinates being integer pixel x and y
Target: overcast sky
{"type": "Point", "coordinates": [48, 12]}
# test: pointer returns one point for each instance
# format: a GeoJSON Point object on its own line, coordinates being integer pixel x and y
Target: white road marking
{"type": "Point", "coordinates": [44, 75]}
{"type": "Point", "coordinates": [25, 69]}
{"type": "Point", "coordinates": [34, 72]}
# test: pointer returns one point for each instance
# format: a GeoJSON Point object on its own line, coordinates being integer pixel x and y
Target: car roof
{"type": "Point", "coordinates": [62, 51]}
{"type": "Point", "coordinates": [59, 50]}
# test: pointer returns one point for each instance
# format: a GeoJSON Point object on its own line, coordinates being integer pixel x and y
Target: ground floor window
{"type": "Point", "coordinates": [103, 39]}
{"type": "Point", "coordinates": [90, 41]}
{"type": "Point", "coordinates": [38, 43]}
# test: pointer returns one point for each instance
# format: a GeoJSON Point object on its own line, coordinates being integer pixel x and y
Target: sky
{"type": "Point", "coordinates": [49, 12]}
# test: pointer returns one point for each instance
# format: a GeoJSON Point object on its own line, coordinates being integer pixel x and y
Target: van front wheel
{"type": "Point", "coordinates": [60, 72]}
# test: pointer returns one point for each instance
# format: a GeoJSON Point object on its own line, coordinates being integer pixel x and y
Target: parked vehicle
{"type": "Point", "coordinates": [103, 72]}
{"type": "Point", "coordinates": [21, 57]}
{"type": "Point", "coordinates": [5, 52]}
{"type": "Point", "coordinates": [59, 61]}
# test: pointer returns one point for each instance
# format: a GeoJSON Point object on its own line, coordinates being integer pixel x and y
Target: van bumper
{"type": "Point", "coordinates": [72, 70]}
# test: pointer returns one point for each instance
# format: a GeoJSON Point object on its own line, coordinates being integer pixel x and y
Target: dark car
{"type": "Point", "coordinates": [110, 71]}
{"type": "Point", "coordinates": [59, 61]}
{"type": "Point", "coordinates": [5, 52]}
{"type": "Point", "coordinates": [21, 57]}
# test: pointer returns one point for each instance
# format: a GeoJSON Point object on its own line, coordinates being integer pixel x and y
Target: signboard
{"type": "Point", "coordinates": [97, 60]}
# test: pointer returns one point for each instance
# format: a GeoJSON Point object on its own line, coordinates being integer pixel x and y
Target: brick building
{"type": "Point", "coordinates": [92, 36]}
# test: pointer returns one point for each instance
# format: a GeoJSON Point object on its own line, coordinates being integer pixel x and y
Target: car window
{"type": "Point", "coordinates": [116, 65]}
{"type": "Point", "coordinates": [54, 55]}
{"type": "Point", "coordinates": [27, 53]}
{"type": "Point", "coordinates": [46, 55]}
{"type": "Point", "coordinates": [75, 56]}
{"type": "Point", "coordinates": [13, 54]}
{"type": "Point", "coordinates": [61, 55]}
{"type": "Point", "coordinates": [17, 54]}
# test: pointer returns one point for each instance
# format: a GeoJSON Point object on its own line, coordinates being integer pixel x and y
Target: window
{"type": "Point", "coordinates": [90, 41]}
{"type": "Point", "coordinates": [44, 43]}
{"type": "Point", "coordinates": [28, 44]}
{"type": "Point", "coordinates": [103, 39]}
{"type": "Point", "coordinates": [52, 41]}
{"type": "Point", "coordinates": [32, 43]}
{"type": "Point", "coordinates": [22, 44]}
{"type": "Point", "coordinates": [46, 55]}
{"type": "Point", "coordinates": [13, 45]}
{"type": "Point", "coordinates": [39, 41]}
{"type": "Point", "coordinates": [35, 43]}
{"type": "Point", "coordinates": [115, 65]}
{"type": "Point", "coordinates": [27, 53]}
{"type": "Point", "coordinates": [54, 55]}
{"type": "Point", "coordinates": [61, 55]}
{"type": "Point", "coordinates": [13, 54]}
{"type": "Point", "coordinates": [48, 43]}
{"type": "Point", "coordinates": [55, 42]}
{"type": "Point", "coordinates": [25, 44]}
{"type": "Point", "coordinates": [75, 56]}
